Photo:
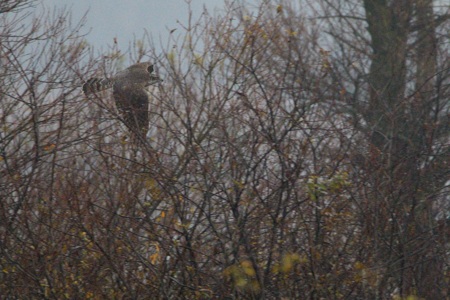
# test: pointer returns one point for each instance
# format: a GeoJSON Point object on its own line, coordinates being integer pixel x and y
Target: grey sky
{"type": "Point", "coordinates": [108, 19]}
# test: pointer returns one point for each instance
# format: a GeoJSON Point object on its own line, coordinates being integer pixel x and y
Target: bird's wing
{"type": "Point", "coordinates": [132, 101]}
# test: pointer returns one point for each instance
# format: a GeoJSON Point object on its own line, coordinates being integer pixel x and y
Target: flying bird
{"type": "Point", "coordinates": [130, 93]}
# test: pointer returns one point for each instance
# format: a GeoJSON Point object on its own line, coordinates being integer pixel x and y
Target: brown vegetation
{"type": "Point", "coordinates": [293, 153]}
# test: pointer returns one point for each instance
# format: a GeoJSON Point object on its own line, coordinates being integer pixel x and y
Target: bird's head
{"type": "Point", "coordinates": [148, 69]}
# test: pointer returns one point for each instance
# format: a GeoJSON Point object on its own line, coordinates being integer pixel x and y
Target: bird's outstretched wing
{"type": "Point", "coordinates": [132, 103]}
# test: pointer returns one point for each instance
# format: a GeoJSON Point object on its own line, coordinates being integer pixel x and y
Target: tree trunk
{"type": "Point", "coordinates": [401, 218]}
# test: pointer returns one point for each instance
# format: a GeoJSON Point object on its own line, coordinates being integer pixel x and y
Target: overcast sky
{"type": "Point", "coordinates": [108, 19]}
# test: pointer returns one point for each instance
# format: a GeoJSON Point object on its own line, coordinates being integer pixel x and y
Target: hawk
{"type": "Point", "coordinates": [130, 93]}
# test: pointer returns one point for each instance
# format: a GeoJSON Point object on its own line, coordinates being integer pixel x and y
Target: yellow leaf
{"type": "Point", "coordinates": [198, 59]}
{"type": "Point", "coordinates": [248, 268]}
{"type": "Point", "coordinates": [49, 147]}
{"type": "Point", "coordinates": [154, 258]}
{"type": "Point", "coordinates": [289, 261]}
{"type": "Point", "coordinates": [171, 57]}
{"type": "Point", "coordinates": [359, 265]}
{"type": "Point", "coordinates": [279, 9]}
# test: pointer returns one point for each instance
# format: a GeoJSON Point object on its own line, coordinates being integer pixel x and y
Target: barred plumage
{"type": "Point", "coordinates": [94, 85]}
{"type": "Point", "coordinates": [130, 92]}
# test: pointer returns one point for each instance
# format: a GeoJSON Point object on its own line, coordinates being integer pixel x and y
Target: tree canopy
{"type": "Point", "coordinates": [296, 150]}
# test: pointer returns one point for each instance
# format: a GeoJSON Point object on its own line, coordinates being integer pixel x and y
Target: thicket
{"type": "Point", "coordinates": [295, 151]}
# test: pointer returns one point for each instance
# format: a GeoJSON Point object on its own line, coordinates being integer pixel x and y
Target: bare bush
{"type": "Point", "coordinates": [278, 164]}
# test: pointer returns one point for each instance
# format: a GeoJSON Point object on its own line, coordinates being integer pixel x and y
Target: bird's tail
{"type": "Point", "coordinates": [95, 85]}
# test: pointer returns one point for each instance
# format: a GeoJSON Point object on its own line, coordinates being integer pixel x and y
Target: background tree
{"type": "Point", "coordinates": [402, 99]}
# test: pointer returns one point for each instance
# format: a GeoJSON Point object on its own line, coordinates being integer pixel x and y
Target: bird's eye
{"type": "Point", "coordinates": [150, 69]}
